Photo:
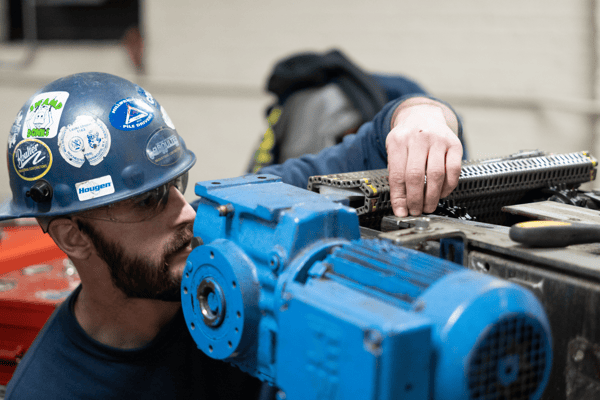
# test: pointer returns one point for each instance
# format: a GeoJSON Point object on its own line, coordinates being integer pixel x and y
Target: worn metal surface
{"type": "Point", "coordinates": [583, 370]}
{"type": "Point", "coordinates": [553, 211]}
{"type": "Point", "coordinates": [580, 260]}
{"type": "Point", "coordinates": [571, 305]}
{"type": "Point", "coordinates": [566, 280]}
{"type": "Point", "coordinates": [497, 192]}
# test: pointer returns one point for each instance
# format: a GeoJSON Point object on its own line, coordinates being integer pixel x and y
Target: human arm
{"type": "Point", "coordinates": [368, 149]}
{"type": "Point", "coordinates": [423, 142]}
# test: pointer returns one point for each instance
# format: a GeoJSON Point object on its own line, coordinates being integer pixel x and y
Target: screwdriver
{"type": "Point", "coordinates": [553, 233]}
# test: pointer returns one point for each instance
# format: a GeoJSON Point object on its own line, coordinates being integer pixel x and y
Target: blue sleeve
{"type": "Point", "coordinates": [397, 86]}
{"type": "Point", "coordinates": [362, 151]}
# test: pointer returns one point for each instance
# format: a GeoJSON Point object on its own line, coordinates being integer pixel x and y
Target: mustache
{"type": "Point", "coordinates": [181, 240]}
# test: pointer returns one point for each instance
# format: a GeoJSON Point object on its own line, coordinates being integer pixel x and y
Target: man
{"type": "Point", "coordinates": [115, 206]}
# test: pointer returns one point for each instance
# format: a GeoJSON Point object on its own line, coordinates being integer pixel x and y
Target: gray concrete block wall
{"type": "Point", "coordinates": [521, 74]}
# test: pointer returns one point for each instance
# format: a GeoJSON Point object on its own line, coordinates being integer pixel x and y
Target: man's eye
{"type": "Point", "coordinates": [148, 200]}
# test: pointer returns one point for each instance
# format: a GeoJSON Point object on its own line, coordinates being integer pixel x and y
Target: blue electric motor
{"type": "Point", "coordinates": [285, 289]}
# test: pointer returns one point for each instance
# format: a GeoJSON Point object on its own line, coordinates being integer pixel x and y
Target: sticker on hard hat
{"type": "Point", "coordinates": [166, 118]}
{"type": "Point", "coordinates": [95, 188]}
{"type": "Point", "coordinates": [15, 130]}
{"type": "Point", "coordinates": [130, 114]}
{"type": "Point", "coordinates": [86, 138]}
{"type": "Point", "coordinates": [146, 95]}
{"type": "Point", "coordinates": [164, 147]}
{"type": "Point", "coordinates": [44, 114]}
{"type": "Point", "coordinates": [32, 159]}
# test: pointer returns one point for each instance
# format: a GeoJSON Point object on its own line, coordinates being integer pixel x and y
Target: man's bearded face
{"type": "Point", "coordinates": [139, 275]}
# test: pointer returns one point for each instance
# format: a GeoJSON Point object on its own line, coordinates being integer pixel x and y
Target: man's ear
{"type": "Point", "coordinates": [70, 239]}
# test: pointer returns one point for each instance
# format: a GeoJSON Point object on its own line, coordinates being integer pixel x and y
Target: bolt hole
{"type": "Point", "coordinates": [234, 284]}
{"type": "Point", "coordinates": [212, 255]}
{"type": "Point", "coordinates": [193, 326]}
{"type": "Point", "coordinates": [237, 330]}
{"type": "Point", "coordinates": [408, 387]}
{"type": "Point", "coordinates": [229, 344]}
{"type": "Point", "coordinates": [185, 290]}
{"type": "Point", "coordinates": [210, 348]}
{"type": "Point", "coordinates": [239, 314]}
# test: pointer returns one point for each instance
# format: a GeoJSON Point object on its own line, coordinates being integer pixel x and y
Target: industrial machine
{"type": "Point", "coordinates": [522, 218]}
{"type": "Point", "coordinates": [325, 300]}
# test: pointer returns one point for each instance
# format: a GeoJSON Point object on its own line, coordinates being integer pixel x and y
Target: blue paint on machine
{"type": "Point", "coordinates": [130, 114]}
{"type": "Point", "coordinates": [285, 288]}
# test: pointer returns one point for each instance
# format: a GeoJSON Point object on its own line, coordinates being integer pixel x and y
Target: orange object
{"type": "Point", "coordinates": [23, 244]}
{"type": "Point", "coordinates": [37, 277]}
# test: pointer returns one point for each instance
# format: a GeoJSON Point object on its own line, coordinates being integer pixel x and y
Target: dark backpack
{"type": "Point", "coordinates": [320, 98]}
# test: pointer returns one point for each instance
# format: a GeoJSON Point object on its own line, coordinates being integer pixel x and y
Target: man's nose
{"type": "Point", "coordinates": [178, 205]}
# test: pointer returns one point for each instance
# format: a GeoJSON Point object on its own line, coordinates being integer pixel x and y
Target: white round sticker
{"type": "Point", "coordinates": [86, 138]}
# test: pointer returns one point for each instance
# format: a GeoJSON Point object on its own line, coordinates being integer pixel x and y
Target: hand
{"type": "Point", "coordinates": [422, 143]}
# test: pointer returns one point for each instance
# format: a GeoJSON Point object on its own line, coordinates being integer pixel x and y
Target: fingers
{"type": "Point", "coordinates": [421, 144]}
{"type": "Point", "coordinates": [415, 177]}
{"type": "Point", "coordinates": [453, 168]}
{"type": "Point", "coordinates": [439, 161]}
{"type": "Point", "coordinates": [397, 178]}
{"type": "Point", "coordinates": [436, 177]}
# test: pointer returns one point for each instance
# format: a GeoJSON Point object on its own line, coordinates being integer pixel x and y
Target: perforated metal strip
{"type": "Point", "coordinates": [482, 183]}
{"type": "Point", "coordinates": [374, 184]}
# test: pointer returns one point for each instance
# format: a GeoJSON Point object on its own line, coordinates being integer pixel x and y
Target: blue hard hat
{"type": "Point", "coordinates": [89, 140]}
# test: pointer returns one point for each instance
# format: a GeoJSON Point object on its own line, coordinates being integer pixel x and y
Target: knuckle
{"type": "Point", "coordinates": [435, 174]}
{"type": "Point", "coordinates": [414, 175]}
{"type": "Point", "coordinates": [396, 177]}
{"type": "Point", "coordinates": [414, 201]}
{"type": "Point", "coordinates": [398, 202]}
{"type": "Point", "coordinates": [396, 137]}
{"type": "Point", "coordinates": [415, 179]}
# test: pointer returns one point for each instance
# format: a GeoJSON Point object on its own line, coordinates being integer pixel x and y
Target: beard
{"type": "Point", "coordinates": [139, 276]}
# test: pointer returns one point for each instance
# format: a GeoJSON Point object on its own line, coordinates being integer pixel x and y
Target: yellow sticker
{"type": "Point", "coordinates": [32, 159]}
{"type": "Point", "coordinates": [541, 224]}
